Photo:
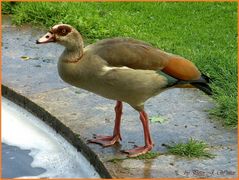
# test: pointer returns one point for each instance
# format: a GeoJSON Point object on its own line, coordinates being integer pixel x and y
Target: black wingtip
{"type": "Point", "coordinates": [203, 87]}
{"type": "Point", "coordinates": [207, 79]}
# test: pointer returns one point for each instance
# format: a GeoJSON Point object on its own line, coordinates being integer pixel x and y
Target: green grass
{"type": "Point", "coordinates": [203, 32]}
{"type": "Point", "coordinates": [148, 155]}
{"type": "Point", "coordinates": [7, 8]}
{"type": "Point", "coordinates": [191, 149]}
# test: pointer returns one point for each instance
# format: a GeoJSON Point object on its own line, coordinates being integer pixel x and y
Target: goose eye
{"type": "Point", "coordinates": [62, 30]}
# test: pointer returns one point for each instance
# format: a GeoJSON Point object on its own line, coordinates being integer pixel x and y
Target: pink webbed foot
{"type": "Point", "coordinates": [105, 141]}
{"type": "Point", "coordinates": [148, 141]}
{"type": "Point", "coordinates": [138, 151]}
{"type": "Point", "coordinates": [111, 140]}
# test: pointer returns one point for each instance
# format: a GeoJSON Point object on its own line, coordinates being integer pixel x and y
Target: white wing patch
{"type": "Point", "coordinates": [108, 68]}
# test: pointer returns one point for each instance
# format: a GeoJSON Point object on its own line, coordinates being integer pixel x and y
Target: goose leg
{"type": "Point", "coordinates": [110, 140]}
{"type": "Point", "coordinates": [148, 141]}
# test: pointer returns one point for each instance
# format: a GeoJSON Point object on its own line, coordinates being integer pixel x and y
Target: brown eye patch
{"type": "Point", "coordinates": [62, 30]}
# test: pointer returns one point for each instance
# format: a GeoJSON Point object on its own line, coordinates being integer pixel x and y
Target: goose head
{"type": "Point", "coordinates": [62, 34]}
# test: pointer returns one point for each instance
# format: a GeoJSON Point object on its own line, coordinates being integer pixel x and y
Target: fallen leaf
{"type": "Point", "coordinates": [158, 119]}
{"type": "Point", "coordinates": [25, 58]}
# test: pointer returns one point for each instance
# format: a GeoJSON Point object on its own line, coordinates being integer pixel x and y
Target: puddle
{"type": "Point", "coordinates": [48, 152]}
{"type": "Point", "coordinates": [13, 158]}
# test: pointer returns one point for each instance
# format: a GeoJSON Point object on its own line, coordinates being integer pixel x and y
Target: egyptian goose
{"type": "Point", "coordinates": [122, 69]}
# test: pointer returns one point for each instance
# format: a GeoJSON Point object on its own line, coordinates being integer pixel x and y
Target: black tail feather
{"type": "Point", "coordinates": [201, 83]}
{"type": "Point", "coordinates": [203, 86]}
{"type": "Point", "coordinates": [205, 77]}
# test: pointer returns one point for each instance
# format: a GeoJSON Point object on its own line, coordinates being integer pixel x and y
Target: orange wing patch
{"type": "Point", "coordinates": [181, 68]}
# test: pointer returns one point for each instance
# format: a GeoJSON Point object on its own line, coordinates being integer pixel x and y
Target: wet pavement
{"type": "Point", "coordinates": [84, 114]}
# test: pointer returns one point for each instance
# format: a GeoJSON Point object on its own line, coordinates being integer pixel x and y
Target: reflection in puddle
{"type": "Point", "coordinates": [15, 158]}
{"type": "Point", "coordinates": [49, 150]}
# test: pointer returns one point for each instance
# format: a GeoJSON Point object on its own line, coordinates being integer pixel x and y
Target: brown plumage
{"type": "Point", "coordinates": [123, 69]}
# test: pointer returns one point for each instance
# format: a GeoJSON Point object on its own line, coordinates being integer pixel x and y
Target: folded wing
{"type": "Point", "coordinates": [140, 55]}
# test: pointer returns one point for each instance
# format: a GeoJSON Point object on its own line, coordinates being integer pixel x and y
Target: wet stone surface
{"type": "Point", "coordinates": [184, 111]}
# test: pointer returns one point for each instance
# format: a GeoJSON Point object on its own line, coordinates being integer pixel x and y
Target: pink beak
{"type": "Point", "coordinates": [48, 37]}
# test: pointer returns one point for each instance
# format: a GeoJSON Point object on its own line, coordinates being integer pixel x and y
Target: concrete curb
{"type": "Point", "coordinates": [60, 128]}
